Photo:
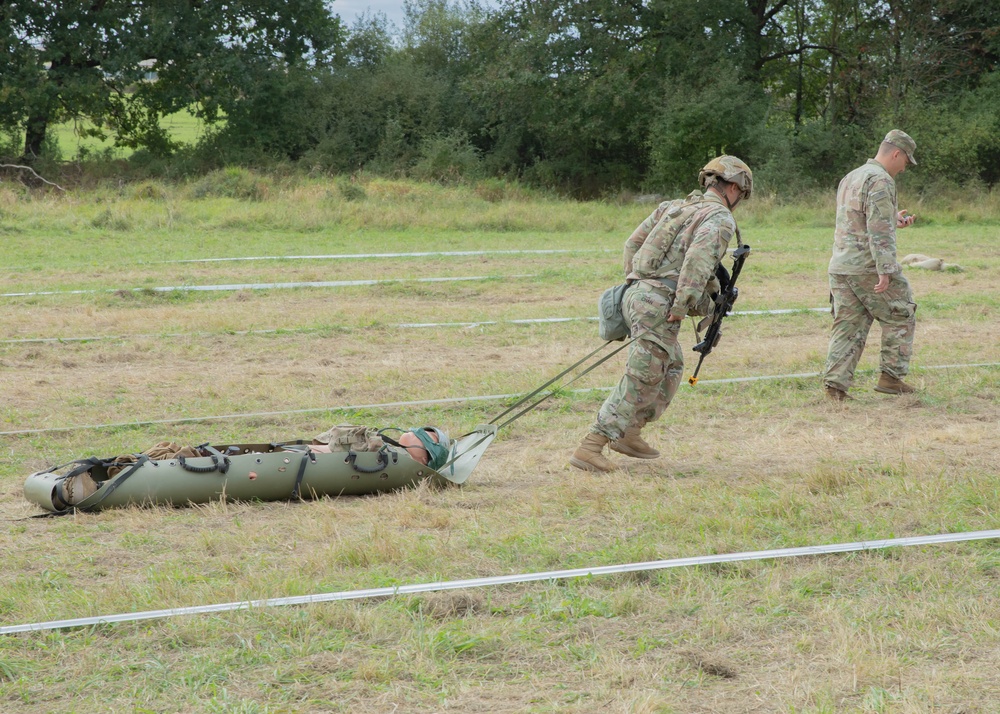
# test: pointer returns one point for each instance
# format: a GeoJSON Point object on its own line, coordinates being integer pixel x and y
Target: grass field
{"type": "Point", "coordinates": [745, 466]}
{"type": "Point", "coordinates": [182, 127]}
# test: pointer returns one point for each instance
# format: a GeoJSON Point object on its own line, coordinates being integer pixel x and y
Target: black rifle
{"type": "Point", "coordinates": [728, 292]}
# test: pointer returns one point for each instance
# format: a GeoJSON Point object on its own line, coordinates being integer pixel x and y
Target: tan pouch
{"type": "Point", "coordinates": [349, 437]}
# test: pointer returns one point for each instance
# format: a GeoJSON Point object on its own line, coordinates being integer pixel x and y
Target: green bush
{"type": "Point", "coordinates": [495, 190]}
{"type": "Point", "coordinates": [351, 191]}
{"type": "Point", "coordinates": [149, 191]}
{"type": "Point", "coordinates": [958, 139]}
{"type": "Point", "coordinates": [447, 158]}
{"type": "Point", "coordinates": [232, 182]}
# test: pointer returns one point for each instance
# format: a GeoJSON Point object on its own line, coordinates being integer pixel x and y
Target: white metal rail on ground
{"type": "Point", "coordinates": [429, 402]}
{"type": "Point", "coordinates": [368, 256]}
{"type": "Point", "coordinates": [403, 325]}
{"type": "Point", "coordinates": [266, 286]}
{"type": "Point", "coordinates": [548, 576]}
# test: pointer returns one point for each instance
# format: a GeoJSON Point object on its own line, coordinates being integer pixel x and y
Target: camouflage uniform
{"type": "Point", "coordinates": [672, 258]}
{"type": "Point", "coordinates": [865, 248]}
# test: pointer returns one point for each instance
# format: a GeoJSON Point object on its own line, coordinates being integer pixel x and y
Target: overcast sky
{"type": "Point", "coordinates": [350, 9]}
{"type": "Point", "coordinates": [392, 9]}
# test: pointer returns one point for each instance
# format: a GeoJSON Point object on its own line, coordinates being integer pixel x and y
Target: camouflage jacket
{"type": "Point", "coordinates": [678, 248]}
{"type": "Point", "coordinates": [864, 241]}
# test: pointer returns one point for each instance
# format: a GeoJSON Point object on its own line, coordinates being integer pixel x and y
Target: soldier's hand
{"type": "Point", "coordinates": [903, 220]}
{"type": "Point", "coordinates": [882, 284]}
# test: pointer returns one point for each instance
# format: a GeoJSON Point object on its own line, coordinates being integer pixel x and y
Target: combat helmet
{"type": "Point", "coordinates": [728, 168]}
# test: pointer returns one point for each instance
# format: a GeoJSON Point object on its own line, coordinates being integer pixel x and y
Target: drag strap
{"type": "Point", "coordinates": [555, 379]}
{"type": "Point", "coordinates": [566, 371]}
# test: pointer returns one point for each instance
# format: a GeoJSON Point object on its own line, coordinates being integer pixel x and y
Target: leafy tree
{"type": "Point", "coordinates": [589, 96]}
{"type": "Point", "coordinates": [719, 114]}
{"type": "Point", "coordinates": [562, 87]}
{"type": "Point", "coordinates": [389, 105]}
{"type": "Point", "coordinates": [71, 60]}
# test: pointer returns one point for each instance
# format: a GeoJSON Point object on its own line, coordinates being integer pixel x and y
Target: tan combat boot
{"type": "Point", "coordinates": [887, 384]}
{"type": "Point", "coordinates": [79, 488]}
{"type": "Point", "coordinates": [631, 444]}
{"type": "Point", "coordinates": [837, 395]}
{"type": "Point", "coordinates": [588, 454]}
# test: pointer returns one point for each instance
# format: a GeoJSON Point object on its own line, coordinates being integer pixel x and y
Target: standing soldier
{"type": "Point", "coordinates": [866, 280]}
{"type": "Point", "coordinates": [670, 261]}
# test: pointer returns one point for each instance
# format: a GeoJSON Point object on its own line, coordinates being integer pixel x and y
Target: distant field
{"type": "Point", "coordinates": [182, 126]}
{"type": "Point", "coordinates": [746, 466]}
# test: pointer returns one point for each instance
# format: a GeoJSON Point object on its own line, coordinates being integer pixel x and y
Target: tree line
{"type": "Point", "coordinates": [586, 96]}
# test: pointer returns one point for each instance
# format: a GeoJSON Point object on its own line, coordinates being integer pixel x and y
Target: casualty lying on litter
{"type": "Point", "coordinates": [345, 460]}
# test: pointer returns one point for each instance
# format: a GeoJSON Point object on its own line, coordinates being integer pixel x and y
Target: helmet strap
{"type": "Point", "coordinates": [724, 195]}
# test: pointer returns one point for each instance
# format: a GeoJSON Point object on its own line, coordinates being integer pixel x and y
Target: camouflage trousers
{"type": "Point", "coordinates": [654, 367]}
{"type": "Point", "coordinates": [855, 306]}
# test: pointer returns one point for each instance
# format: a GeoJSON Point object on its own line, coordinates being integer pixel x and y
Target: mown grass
{"type": "Point", "coordinates": [182, 127]}
{"type": "Point", "coordinates": [745, 466]}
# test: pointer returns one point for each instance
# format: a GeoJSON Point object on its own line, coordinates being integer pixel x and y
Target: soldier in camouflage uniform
{"type": "Point", "coordinates": [670, 260]}
{"type": "Point", "coordinates": [866, 280]}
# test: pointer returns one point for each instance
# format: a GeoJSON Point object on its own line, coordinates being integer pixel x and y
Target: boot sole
{"type": "Point", "coordinates": [587, 466]}
{"type": "Point", "coordinates": [635, 454]}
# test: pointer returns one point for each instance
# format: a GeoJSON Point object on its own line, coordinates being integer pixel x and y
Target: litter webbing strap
{"type": "Point", "coordinates": [306, 458]}
{"type": "Point", "coordinates": [120, 480]}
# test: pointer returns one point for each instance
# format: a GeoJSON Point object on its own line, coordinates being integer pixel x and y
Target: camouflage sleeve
{"type": "Point", "coordinates": [881, 227]}
{"type": "Point", "coordinates": [706, 250]}
{"type": "Point", "coordinates": [639, 235]}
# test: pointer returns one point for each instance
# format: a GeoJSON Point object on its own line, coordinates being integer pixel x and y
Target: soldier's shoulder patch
{"type": "Point", "coordinates": [877, 194]}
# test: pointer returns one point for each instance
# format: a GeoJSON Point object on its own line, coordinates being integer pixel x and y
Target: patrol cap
{"type": "Point", "coordinates": [903, 141]}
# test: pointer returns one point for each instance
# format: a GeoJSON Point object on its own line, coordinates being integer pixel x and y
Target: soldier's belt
{"type": "Point", "coordinates": [660, 285]}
